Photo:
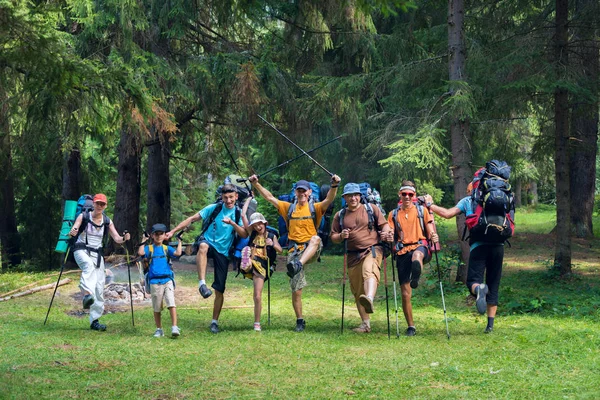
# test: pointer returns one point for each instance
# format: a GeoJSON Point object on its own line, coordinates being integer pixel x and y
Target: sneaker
{"type": "Point", "coordinates": [257, 326]}
{"type": "Point", "coordinates": [175, 331]}
{"type": "Point", "coordinates": [294, 268]}
{"type": "Point", "coordinates": [159, 333]}
{"type": "Point", "coordinates": [246, 262]}
{"type": "Point", "coordinates": [362, 328]}
{"type": "Point", "coordinates": [411, 331]}
{"type": "Point", "coordinates": [488, 329]}
{"type": "Point", "coordinates": [97, 326]}
{"type": "Point", "coordinates": [481, 291]}
{"type": "Point", "coordinates": [415, 275]}
{"type": "Point", "coordinates": [290, 269]}
{"type": "Point", "coordinates": [300, 325]}
{"type": "Point", "coordinates": [214, 328]}
{"type": "Point", "coordinates": [205, 291]}
{"type": "Point", "coordinates": [367, 303]}
{"type": "Point", "coordinates": [88, 300]}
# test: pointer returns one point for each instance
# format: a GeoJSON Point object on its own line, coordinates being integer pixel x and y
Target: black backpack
{"type": "Point", "coordinates": [493, 200]}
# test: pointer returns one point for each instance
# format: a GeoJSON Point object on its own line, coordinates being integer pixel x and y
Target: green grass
{"type": "Point", "coordinates": [545, 343]}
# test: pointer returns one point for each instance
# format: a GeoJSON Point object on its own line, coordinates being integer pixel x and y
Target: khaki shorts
{"type": "Point", "coordinates": [368, 268]}
{"type": "Point", "coordinates": [299, 280]}
{"type": "Point", "coordinates": [160, 292]}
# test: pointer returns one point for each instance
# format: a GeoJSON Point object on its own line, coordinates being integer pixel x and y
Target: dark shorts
{"type": "Point", "coordinates": [404, 263]}
{"type": "Point", "coordinates": [221, 264]}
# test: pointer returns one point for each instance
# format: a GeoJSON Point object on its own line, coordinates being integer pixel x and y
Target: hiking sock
{"type": "Point", "coordinates": [214, 321]}
{"type": "Point", "coordinates": [490, 322]}
{"type": "Point", "coordinates": [367, 322]}
{"type": "Point", "coordinates": [201, 282]}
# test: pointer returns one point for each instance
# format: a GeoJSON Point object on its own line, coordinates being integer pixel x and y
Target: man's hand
{"type": "Point", "coordinates": [227, 221]}
{"type": "Point", "coordinates": [428, 200]}
{"type": "Point", "coordinates": [253, 179]}
{"type": "Point", "coordinates": [169, 234]}
{"type": "Point", "coordinates": [335, 180]}
{"type": "Point", "coordinates": [387, 236]}
{"type": "Point", "coordinates": [126, 236]}
{"type": "Point", "coordinates": [345, 234]}
{"type": "Point", "coordinates": [435, 238]}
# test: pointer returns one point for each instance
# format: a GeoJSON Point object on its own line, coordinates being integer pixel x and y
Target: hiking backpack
{"type": "Point", "coordinates": [147, 261]}
{"type": "Point", "coordinates": [368, 195]}
{"type": "Point", "coordinates": [493, 200]}
{"type": "Point", "coordinates": [398, 228]}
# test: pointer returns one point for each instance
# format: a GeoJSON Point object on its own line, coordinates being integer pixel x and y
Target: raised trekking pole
{"type": "Point", "coordinates": [129, 276]}
{"type": "Point", "coordinates": [235, 164]}
{"type": "Point", "coordinates": [395, 294]}
{"type": "Point", "coordinates": [387, 303]}
{"type": "Point", "coordinates": [295, 145]}
{"type": "Point", "coordinates": [442, 291]}
{"type": "Point", "coordinates": [283, 164]}
{"type": "Point", "coordinates": [62, 267]}
{"type": "Point", "coordinates": [344, 282]}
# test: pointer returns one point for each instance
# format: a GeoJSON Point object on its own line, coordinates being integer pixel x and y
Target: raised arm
{"type": "Point", "coordinates": [263, 192]}
{"type": "Point", "coordinates": [141, 251]}
{"type": "Point", "coordinates": [335, 182]}
{"type": "Point", "coordinates": [247, 226]}
{"type": "Point", "coordinates": [179, 248]}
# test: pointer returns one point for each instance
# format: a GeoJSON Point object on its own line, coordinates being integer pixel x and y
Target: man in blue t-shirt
{"type": "Point", "coordinates": [215, 243]}
{"type": "Point", "coordinates": [484, 258]}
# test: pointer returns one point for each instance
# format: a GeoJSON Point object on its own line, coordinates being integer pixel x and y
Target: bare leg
{"type": "Point", "coordinates": [311, 249]}
{"type": "Point", "coordinates": [157, 320]}
{"type": "Point", "coordinates": [258, 287]}
{"type": "Point", "coordinates": [297, 303]}
{"type": "Point", "coordinates": [491, 310]}
{"type": "Point", "coordinates": [218, 305]}
{"type": "Point", "coordinates": [201, 259]}
{"type": "Point", "coordinates": [173, 312]}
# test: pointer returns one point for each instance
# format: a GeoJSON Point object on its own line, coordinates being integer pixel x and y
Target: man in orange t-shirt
{"type": "Point", "coordinates": [305, 243]}
{"type": "Point", "coordinates": [411, 249]}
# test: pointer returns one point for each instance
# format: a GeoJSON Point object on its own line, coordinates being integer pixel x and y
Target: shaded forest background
{"type": "Point", "coordinates": [146, 100]}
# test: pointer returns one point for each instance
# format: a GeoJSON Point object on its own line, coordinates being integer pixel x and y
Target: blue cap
{"type": "Point", "coordinates": [351, 188]}
{"type": "Point", "coordinates": [159, 228]}
{"type": "Point", "coordinates": [302, 184]}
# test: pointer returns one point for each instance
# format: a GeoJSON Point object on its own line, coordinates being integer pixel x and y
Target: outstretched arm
{"type": "Point", "coordinates": [335, 182]}
{"type": "Point", "coordinates": [263, 192]}
{"type": "Point", "coordinates": [187, 222]}
{"type": "Point", "coordinates": [441, 211]}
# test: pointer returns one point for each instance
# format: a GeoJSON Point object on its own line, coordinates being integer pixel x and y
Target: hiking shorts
{"type": "Point", "coordinates": [367, 268]}
{"type": "Point", "coordinates": [404, 263]}
{"type": "Point", "coordinates": [299, 280]}
{"type": "Point", "coordinates": [221, 266]}
{"type": "Point", "coordinates": [160, 292]}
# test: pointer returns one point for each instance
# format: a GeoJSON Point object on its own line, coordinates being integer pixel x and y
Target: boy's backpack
{"type": "Point", "coordinates": [147, 261]}
{"type": "Point", "coordinates": [493, 200]}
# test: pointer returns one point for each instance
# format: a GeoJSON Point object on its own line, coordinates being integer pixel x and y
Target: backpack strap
{"type": "Point", "coordinates": [211, 218]}
{"type": "Point", "coordinates": [420, 216]}
{"type": "Point", "coordinates": [313, 213]}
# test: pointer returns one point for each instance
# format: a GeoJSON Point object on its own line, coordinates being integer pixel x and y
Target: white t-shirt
{"type": "Point", "coordinates": [92, 234]}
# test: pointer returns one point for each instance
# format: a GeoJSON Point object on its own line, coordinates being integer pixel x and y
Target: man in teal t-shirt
{"type": "Point", "coordinates": [215, 243]}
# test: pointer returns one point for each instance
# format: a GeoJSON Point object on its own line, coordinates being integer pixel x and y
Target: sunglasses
{"type": "Point", "coordinates": [407, 194]}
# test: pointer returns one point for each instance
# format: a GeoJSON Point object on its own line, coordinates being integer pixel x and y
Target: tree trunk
{"type": "Point", "coordinates": [10, 247]}
{"type": "Point", "coordinates": [159, 186]}
{"type": "Point", "coordinates": [459, 128]}
{"type": "Point", "coordinates": [127, 199]}
{"type": "Point", "coordinates": [584, 120]}
{"type": "Point", "coordinates": [533, 193]}
{"type": "Point", "coordinates": [562, 255]}
{"type": "Point", "coordinates": [71, 189]}
{"type": "Point", "coordinates": [518, 193]}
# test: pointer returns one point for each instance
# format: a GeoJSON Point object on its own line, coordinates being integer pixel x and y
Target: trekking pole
{"type": "Point", "coordinates": [442, 291]}
{"type": "Point", "coordinates": [283, 164]}
{"type": "Point", "coordinates": [295, 145]}
{"type": "Point", "coordinates": [235, 164]}
{"type": "Point", "coordinates": [344, 282]}
{"type": "Point", "coordinates": [129, 276]}
{"type": "Point", "coordinates": [395, 293]}
{"type": "Point", "coordinates": [62, 267]}
{"type": "Point", "coordinates": [269, 291]}
{"type": "Point", "coordinates": [387, 303]}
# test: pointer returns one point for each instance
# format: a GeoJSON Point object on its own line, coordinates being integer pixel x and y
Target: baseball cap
{"type": "Point", "coordinates": [302, 184]}
{"type": "Point", "coordinates": [101, 198]}
{"type": "Point", "coordinates": [159, 228]}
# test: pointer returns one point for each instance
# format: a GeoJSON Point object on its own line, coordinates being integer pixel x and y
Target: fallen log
{"type": "Point", "coordinates": [36, 289]}
{"type": "Point", "coordinates": [36, 283]}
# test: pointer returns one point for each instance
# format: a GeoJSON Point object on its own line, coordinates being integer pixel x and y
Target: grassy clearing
{"type": "Point", "coordinates": [545, 344]}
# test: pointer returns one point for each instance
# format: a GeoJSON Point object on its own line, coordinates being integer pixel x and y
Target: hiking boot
{"type": "Point", "coordinates": [175, 331]}
{"type": "Point", "coordinates": [294, 268]}
{"type": "Point", "coordinates": [367, 303]}
{"type": "Point", "coordinates": [415, 275]}
{"type": "Point", "coordinates": [300, 325]}
{"type": "Point", "coordinates": [88, 300]}
{"type": "Point", "coordinates": [362, 328]}
{"type": "Point", "coordinates": [257, 327]}
{"type": "Point", "coordinates": [488, 329]}
{"type": "Point", "coordinates": [214, 328]}
{"type": "Point", "coordinates": [481, 291]}
{"type": "Point", "coordinates": [159, 333]}
{"type": "Point", "coordinates": [205, 291]}
{"type": "Point", "coordinates": [97, 326]}
{"type": "Point", "coordinates": [411, 331]}
{"type": "Point", "coordinates": [246, 263]}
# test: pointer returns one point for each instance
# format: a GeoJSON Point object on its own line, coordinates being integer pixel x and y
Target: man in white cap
{"type": "Point", "coordinates": [362, 226]}
{"type": "Point", "coordinates": [413, 226]}
{"type": "Point", "coordinates": [305, 244]}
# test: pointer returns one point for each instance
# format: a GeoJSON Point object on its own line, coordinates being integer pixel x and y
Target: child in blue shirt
{"type": "Point", "coordinates": [160, 276]}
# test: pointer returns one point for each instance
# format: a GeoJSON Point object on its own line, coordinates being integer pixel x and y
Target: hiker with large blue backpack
{"type": "Point", "coordinates": [302, 218]}
{"type": "Point", "coordinates": [91, 230]}
{"type": "Point", "coordinates": [489, 209]}
{"type": "Point", "coordinates": [222, 222]}
{"type": "Point", "coordinates": [160, 276]}
{"type": "Point", "coordinates": [362, 226]}
{"type": "Point", "coordinates": [413, 229]}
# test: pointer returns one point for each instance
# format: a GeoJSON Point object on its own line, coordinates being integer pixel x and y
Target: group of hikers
{"type": "Point", "coordinates": [368, 237]}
